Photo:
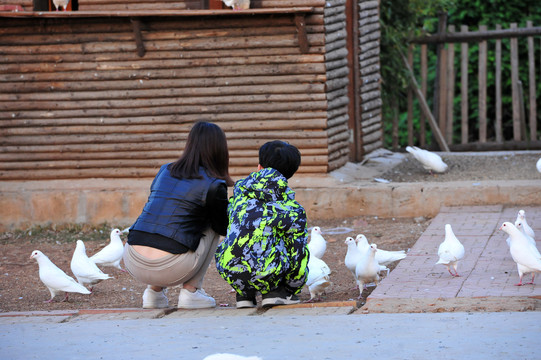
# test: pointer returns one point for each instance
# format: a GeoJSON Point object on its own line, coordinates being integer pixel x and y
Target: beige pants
{"type": "Point", "coordinates": [173, 269]}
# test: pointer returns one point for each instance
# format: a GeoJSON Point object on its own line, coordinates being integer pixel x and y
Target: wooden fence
{"type": "Point", "coordinates": [453, 118]}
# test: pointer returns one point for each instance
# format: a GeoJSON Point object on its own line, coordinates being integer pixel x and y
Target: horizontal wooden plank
{"type": "Point", "coordinates": [154, 128]}
{"type": "Point", "coordinates": [153, 13]}
{"type": "Point", "coordinates": [85, 138]}
{"type": "Point", "coordinates": [141, 162]}
{"type": "Point", "coordinates": [196, 111]}
{"type": "Point", "coordinates": [141, 75]}
{"type": "Point", "coordinates": [127, 173]}
{"type": "Point", "coordinates": [314, 119]}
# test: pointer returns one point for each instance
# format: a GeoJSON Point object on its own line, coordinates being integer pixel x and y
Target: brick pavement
{"type": "Point", "coordinates": [488, 273]}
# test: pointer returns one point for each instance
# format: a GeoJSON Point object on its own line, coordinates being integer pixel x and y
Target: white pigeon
{"type": "Point", "coordinates": [226, 356]}
{"type": "Point", "coordinates": [521, 217]}
{"type": "Point", "coordinates": [383, 257]}
{"type": "Point", "coordinates": [354, 254]}
{"type": "Point", "coordinates": [237, 4]}
{"type": "Point", "coordinates": [525, 254]}
{"type": "Point", "coordinates": [518, 225]}
{"type": "Point", "coordinates": [54, 278]}
{"type": "Point", "coordinates": [112, 253]}
{"type": "Point", "coordinates": [61, 4]}
{"type": "Point", "coordinates": [430, 161]}
{"type": "Point", "coordinates": [538, 165]}
{"type": "Point", "coordinates": [317, 245]}
{"type": "Point", "coordinates": [318, 277]}
{"type": "Point", "coordinates": [450, 251]}
{"type": "Point", "coordinates": [84, 269]}
{"type": "Point", "coordinates": [367, 269]}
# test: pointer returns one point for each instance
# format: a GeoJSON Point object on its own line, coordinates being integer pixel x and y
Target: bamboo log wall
{"type": "Point", "coordinates": [78, 102]}
{"type": "Point", "coordinates": [370, 78]}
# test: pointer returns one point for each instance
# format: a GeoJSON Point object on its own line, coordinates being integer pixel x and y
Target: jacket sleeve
{"type": "Point", "coordinates": [217, 202]}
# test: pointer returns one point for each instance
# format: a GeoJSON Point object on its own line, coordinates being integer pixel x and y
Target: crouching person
{"type": "Point", "coordinates": [265, 249]}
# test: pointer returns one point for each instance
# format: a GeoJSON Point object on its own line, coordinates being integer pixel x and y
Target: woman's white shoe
{"type": "Point", "coordinates": [195, 300]}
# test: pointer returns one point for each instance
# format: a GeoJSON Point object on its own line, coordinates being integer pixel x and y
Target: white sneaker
{"type": "Point", "coordinates": [195, 300]}
{"type": "Point", "coordinates": [154, 299]}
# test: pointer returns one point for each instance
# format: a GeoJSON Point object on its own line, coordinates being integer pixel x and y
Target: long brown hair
{"type": "Point", "coordinates": [207, 147]}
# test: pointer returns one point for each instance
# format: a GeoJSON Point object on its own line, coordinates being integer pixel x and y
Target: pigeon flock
{"type": "Point", "coordinates": [367, 262]}
{"type": "Point", "coordinates": [84, 269]}
{"type": "Point", "coordinates": [364, 260]}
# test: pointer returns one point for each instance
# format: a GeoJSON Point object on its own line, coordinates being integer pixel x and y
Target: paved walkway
{"type": "Point", "coordinates": [488, 273]}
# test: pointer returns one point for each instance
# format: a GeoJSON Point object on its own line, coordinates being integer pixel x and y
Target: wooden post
{"type": "Point", "coordinates": [140, 45]}
{"type": "Point", "coordinates": [442, 91]}
{"type": "Point", "coordinates": [515, 87]}
{"type": "Point", "coordinates": [354, 87]}
{"type": "Point", "coordinates": [522, 112]}
{"type": "Point", "coordinates": [424, 77]}
{"type": "Point", "coordinates": [450, 89]}
{"type": "Point", "coordinates": [531, 86]}
{"type": "Point", "coordinates": [464, 88]}
{"type": "Point", "coordinates": [410, 100]}
{"type": "Point", "coordinates": [395, 110]}
{"type": "Point", "coordinates": [482, 73]}
{"type": "Point", "coordinates": [302, 37]}
{"type": "Point", "coordinates": [498, 87]}
{"type": "Point", "coordinates": [442, 26]}
{"type": "Point", "coordinates": [424, 107]}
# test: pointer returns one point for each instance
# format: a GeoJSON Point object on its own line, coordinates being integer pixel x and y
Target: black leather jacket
{"type": "Point", "coordinates": [182, 209]}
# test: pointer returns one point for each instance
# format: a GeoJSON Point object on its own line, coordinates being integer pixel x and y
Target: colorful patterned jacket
{"type": "Point", "coordinates": [265, 246]}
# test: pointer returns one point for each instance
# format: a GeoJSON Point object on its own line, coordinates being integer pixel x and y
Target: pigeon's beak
{"type": "Point", "coordinates": [501, 227]}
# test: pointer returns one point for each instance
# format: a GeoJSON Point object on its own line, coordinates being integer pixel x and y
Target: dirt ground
{"type": "Point", "coordinates": [518, 165]}
{"type": "Point", "coordinates": [21, 289]}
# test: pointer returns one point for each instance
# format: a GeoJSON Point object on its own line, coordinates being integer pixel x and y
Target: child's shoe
{"type": "Point", "coordinates": [246, 302]}
{"type": "Point", "coordinates": [279, 297]}
{"type": "Point", "coordinates": [154, 299]}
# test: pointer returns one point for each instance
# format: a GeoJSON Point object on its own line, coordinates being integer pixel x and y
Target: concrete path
{"type": "Point", "coordinates": [429, 314]}
{"type": "Point", "coordinates": [277, 336]}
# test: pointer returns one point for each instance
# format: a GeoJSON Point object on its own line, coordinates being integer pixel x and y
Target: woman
{"type": "Point", "coordinates": [175, 237]}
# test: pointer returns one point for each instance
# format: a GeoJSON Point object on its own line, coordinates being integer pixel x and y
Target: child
{"type": "Point", "coordinates": [265, 249]}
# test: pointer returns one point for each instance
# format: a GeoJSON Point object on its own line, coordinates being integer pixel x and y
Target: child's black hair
{"type": "Point", "coordinates": [281, 156]}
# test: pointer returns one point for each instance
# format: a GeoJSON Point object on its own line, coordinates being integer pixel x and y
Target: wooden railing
{"type": "Point", "coordinates": [453, 117]}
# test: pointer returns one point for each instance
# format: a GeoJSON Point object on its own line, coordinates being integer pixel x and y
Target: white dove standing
{"type": "Point", "coordinates": [383, 257]}
{"type": "Point", "coordinates": [317, 245]}
{"type": "Point", "coordinates": [84, 269]}
{"type": "Point", "coordinates": [353, 256]}
{"type": "Point", "coordinates": [430, 161]}
{"type": "Point", "coordinates": [538, 165]}
{"type": "Point", "coordinates": [521, 217]}
{"type": "Point", "coordinates": [367, 269]}
{"type": "Point", "coordinates": [61, 4]}
{"type": "Point", "coordinates": [54, 278]}
{"type": "Point", "coordinates": [237, 4]}
{"type": "Point", "coordinates": [112, 253]}
{"type": "Point", "coordinates": [450, 251]}
{"type": "Point", "coordinates": [522, 251]}
{"type": "Point", "coordinates": [318, 277]}
{"type": "Point", "coordinates": [519, 226]}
